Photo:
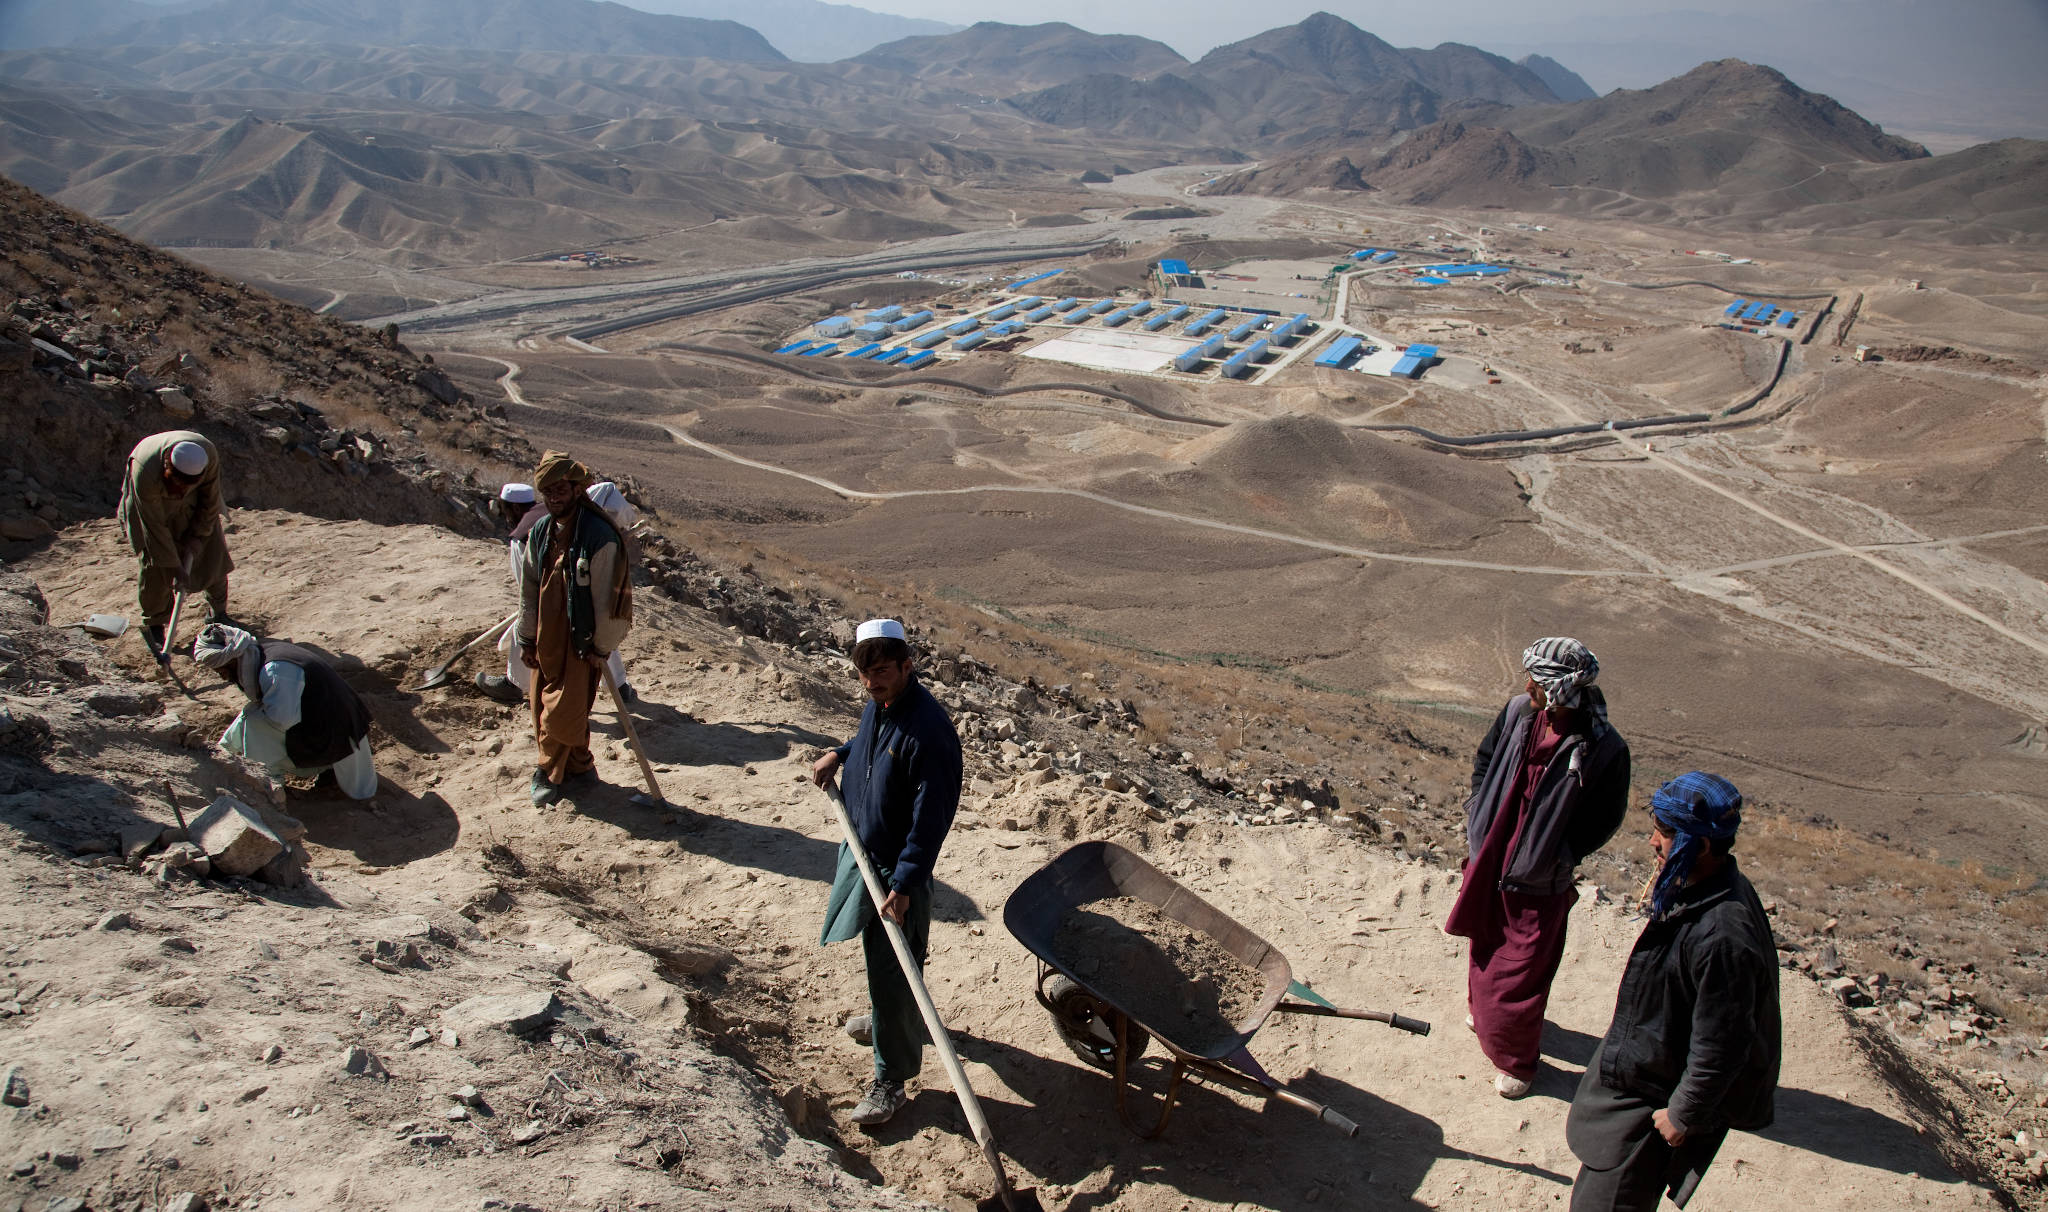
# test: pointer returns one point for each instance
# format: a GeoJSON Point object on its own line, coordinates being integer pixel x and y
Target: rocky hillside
{"type": "Point", "coordinates": [104, 340]}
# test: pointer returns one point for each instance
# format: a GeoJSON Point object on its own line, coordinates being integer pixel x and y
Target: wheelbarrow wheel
{"type": "Point", "coordinates": [1076, 1011]}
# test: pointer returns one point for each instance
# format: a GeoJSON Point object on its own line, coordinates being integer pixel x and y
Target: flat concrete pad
{"type": "Point", "coordinates": [1112, 349]}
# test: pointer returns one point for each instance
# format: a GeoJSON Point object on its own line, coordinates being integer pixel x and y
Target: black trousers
{"type": "Point", "coordinates": [1625, 1166]}
{"type": "Point", "coordinates": [1649, 1170]}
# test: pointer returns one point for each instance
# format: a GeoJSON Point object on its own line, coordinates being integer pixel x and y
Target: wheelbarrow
{"type": "Point", "coordinates": [1108, 1036]}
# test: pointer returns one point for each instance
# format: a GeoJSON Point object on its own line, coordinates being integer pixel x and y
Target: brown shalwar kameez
{"type": "Point", "coordinates": [564, 687]}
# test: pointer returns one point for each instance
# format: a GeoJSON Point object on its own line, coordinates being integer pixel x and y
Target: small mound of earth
{"type": "Point", "coordinates": [1172, 978]}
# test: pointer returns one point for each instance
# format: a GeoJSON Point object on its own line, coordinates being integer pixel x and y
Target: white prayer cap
{"type": "Point", "coordinates": [189, 458]}
{"type": "Point", "coordinates": [516, 494]}
{"type": "Point", "coordinates": [879, 629]}
{"type": "Point", "coordinates": [606, 496]}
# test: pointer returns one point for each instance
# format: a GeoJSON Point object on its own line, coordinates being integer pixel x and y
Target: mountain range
{"type": "Point", "coordinates": [1322, 78]}
{"type": "Point", "coordinates": [806, 30]}
{"type": "Point", "coordinates": [426, 153]}
{"type": "Point", "coordinates": [1726, 141]}
{"type": "Point", "coordinates": [494, 25]}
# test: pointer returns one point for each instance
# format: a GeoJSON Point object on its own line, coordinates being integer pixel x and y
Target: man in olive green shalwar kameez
{"type": "Point", "coordinates": [170, 511]}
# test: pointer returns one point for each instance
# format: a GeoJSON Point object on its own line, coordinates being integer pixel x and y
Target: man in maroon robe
{"type": "Point", "coordinates": [1549, 787]}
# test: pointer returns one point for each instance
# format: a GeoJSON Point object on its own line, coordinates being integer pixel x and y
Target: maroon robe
{"type": "Point", "coordinates": [1517, 939]}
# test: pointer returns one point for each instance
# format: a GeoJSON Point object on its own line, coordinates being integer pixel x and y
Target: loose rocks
{"type": "Point", "coordinates": [234, 837]}
{"type": "Point", "coordinates": [15, 1092]}
{"type": "Point", "coordinates": [358, 1062]}
{"type": "Point", "coordinates": [518, 1013]}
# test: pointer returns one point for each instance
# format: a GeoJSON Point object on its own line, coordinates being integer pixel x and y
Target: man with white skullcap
{"type": "Point", "coordinates": [900, 775]}
{"type": "Point", "coordinates": [170, 511]}
{"type": "Point", "coordinates": [519, 508]}
{"type": "Point", "coordinates": [606, 496]}
{"type": "Point", "coordinates": [1549, 787]}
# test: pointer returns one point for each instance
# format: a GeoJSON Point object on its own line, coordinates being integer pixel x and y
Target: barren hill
{"type": "Point", "coordinates": [1348, 484]}
{"type": "Point", "coordinates": [1727, 142]}
{"type": "Point", "coordinates": [810, 31]}
{"type": "Point", "coordinates": [1320, 78]}
{"type": "Point", "coordinates": [1560, 79]}
{"type": "Point", "coordinates": [422, 187]}
{"type": "Point", "coordinates": [990, 57]}
{"type": "Point", "coordinates": [1719, 121]}
{"type": "Point", "coordinates": [593, 26]}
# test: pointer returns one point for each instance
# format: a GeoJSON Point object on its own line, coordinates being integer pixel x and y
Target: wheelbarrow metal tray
{"type": "Point", "coordinates": [1094, 871]}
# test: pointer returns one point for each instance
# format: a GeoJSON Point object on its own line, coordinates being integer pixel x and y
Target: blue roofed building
{"type": "Point", "coordinates": [1340, 352]}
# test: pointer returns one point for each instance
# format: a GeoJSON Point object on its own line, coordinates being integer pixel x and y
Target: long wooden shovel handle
{"type": "Point", "coordinates": [915, 975]}
{"type": "Point", "coordinates": [632, 737]}
{"type": "Point", "coordinates": [171, 630]}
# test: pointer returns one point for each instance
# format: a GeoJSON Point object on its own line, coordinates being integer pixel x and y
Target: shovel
{"type": "Point", "coordinates": [102, 626]}
{"type": "Point", "coordinates": [438, 675]}
{"type": "Point", "coordinates": [1007, 1198]}
{"type": "Point", "coordinates": [170, 632]}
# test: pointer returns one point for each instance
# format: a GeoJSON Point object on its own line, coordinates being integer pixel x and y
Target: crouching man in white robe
{"type": "Point", "coordinates": [301, 721]}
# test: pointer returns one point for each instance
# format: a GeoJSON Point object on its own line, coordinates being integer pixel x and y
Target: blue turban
{"type": "Point", "coordinates": [1698, 807]}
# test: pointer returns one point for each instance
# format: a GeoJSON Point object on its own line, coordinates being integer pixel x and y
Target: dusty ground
{"type": "Point", "coordinates": [731, 724]}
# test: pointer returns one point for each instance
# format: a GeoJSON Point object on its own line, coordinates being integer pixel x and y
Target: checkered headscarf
{"type": "Point", "coordinates": [1562, 666]}
{"type": "Point", "coordinates": [1698, 807]}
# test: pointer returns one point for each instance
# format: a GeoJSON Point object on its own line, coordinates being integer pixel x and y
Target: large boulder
{"type": "Point", "coordinates": [234, 837]}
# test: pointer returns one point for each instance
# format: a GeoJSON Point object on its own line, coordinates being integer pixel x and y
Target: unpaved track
{"type": "Point", "coordinates": [856, 494]}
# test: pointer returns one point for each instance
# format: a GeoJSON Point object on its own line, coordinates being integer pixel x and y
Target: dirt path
{"type": "Point", "coordinates": [732, 724]}
{"type": "Point", "coordinates": [856, 494]}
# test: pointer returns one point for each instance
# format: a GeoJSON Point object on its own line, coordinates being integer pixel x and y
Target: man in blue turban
{"type": "Point", "coordinates": [1694, 1047]}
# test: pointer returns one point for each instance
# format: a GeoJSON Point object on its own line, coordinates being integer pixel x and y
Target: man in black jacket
{"type": "Point", "coordinates": [1694, 1047]}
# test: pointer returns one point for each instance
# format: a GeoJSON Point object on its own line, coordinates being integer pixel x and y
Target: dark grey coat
{"type": "Point", "coordinates": [1580, 800]}
{"type": "Point", "coordinates": [1696, 1027]}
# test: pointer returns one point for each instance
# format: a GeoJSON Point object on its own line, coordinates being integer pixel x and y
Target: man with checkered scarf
{"type": "Point", "coordinates": [1549, 787]}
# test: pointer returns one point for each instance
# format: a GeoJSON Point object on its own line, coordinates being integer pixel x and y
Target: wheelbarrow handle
{"type": "Point", "coordinates": [1413, 1026]}
{"type": "Point", "coordinates": [1329, 1115]}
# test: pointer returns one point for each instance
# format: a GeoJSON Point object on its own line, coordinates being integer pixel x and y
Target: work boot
{"type": "Point", "coordinates": [544, 792]}
{"type": "Point", "coordinates": [861, 1030]}
{"type": "Point", "coordinates": [883, 1101]}
{"type": "Point", "coordinates": [498, 686]}
{"type": "Point", "coordinates": [153, 635]}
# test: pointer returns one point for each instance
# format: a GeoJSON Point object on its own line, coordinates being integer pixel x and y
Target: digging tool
{"type": "Point", "coordinates": [438, 675]}
{"type": "Point", "coordinates": [170, 631]}
{"type": "Point", "coordinates": [1006, 1197]}
{"type": "Point", "coordinates": [632, 736]}
{"type": "Point", "coordinates": [171, 795]}
{"type": "Point", "coordinates": [104, 626]}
